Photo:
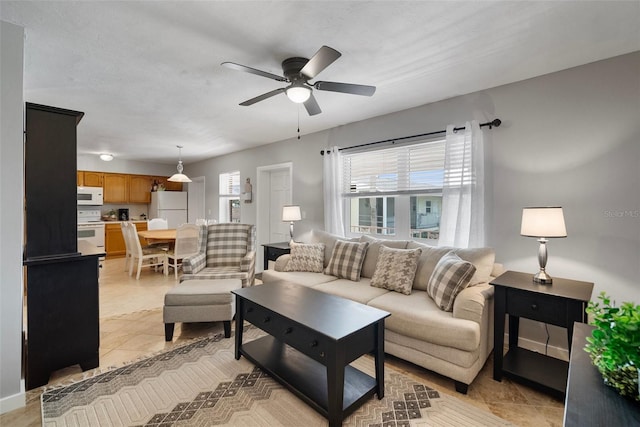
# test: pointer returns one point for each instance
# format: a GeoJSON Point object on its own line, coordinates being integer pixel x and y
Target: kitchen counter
{"type": "Point", "coordinates": [116, 221]}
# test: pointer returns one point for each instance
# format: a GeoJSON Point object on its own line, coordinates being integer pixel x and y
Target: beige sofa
{"type": "Point", "coordinates": [455, 344]}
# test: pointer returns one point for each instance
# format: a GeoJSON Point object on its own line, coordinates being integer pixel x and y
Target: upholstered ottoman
{"type": "Point", "coordinates": [200, 301]}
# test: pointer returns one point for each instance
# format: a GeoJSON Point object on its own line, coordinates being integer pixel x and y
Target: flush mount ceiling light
{"type": "Point", "coordinates": [106, 157]}
{"type": "Point", "coordinates": [179, 177]}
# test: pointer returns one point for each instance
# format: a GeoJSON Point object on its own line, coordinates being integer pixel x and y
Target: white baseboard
{"type": "Point", "coordinates": [538, 347]}
{"type": "Point", "coordinates": [16, 401]}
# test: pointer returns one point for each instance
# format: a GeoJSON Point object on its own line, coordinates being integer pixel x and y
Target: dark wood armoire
{"type": "Point", "coordinates": [61, 280]}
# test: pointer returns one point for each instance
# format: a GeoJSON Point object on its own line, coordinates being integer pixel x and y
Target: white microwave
{"type": "Point", "coordinates": [90, 196]}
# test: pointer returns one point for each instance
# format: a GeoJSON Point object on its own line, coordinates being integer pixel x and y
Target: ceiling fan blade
{"type": "Point", "coordinates": [312, 106]}
{"type": "Point", "coordinates": [324, 57]}
{"type": "Point", "coordinates": [346, 88]}
{"type": "Point", "coordinates": [257, 72]}
{"type": "Point", "coordinates": [262, 97]}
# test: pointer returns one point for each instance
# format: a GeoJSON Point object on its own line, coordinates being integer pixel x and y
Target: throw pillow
{"type": "Point", "coordinates": [346, 260]}
{"type": "Point", "coordinates": [306, 257]}
{"type": "Point", "coordinates": [395, 269]}
{"type": "Point", "coordinates": [373, 251]}
{"type": "Point", "coordinates": [451, 275]}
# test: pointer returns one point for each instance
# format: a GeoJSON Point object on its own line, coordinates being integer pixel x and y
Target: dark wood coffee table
{"type": "Point", "coordinates": [313, 336]}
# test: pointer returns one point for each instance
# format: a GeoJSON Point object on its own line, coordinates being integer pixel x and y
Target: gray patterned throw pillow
{"type": "Point", "coordinates": [396, 269]}
{"type": "Point", "coordinates": [451, 275]}
{"type": "Point", "coordinates": [306, 257]}
{"type": "Point", "coordinates": [346, 260]}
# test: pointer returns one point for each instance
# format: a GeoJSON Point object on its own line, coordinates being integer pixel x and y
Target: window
{"type": "Point", "coordinates": [229, 197]}
{"type": "Point", "coordinates": [395, 191]}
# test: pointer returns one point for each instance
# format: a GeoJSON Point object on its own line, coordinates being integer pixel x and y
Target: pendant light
{"type": "Point", "coordinates": [179, 177]}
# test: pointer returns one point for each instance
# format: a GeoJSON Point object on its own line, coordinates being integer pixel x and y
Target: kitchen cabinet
{"type": "Point", "coordinates": [168, 185]}
{"type": "Point", "coordinates": [140, 188]}
{"type": "Point", "coordinates": [113, 240]}
{"type": "Point", "coordinates": [90, 179]}
{"type": "Point", "coordinates": [116, 188]}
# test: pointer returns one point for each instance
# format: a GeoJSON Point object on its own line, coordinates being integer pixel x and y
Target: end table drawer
{"type": "Point", "coordinates": [538, 307]}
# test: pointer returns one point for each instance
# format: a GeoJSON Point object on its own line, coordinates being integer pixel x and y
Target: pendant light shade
{"type": "Point", "coordinates": [179, 177]}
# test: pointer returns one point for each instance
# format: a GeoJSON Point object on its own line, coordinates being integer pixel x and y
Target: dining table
{"type": "Point", "coordinates": [166, 235]}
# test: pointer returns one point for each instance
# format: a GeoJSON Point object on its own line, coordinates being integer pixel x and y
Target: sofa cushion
{"type": "Point", "coordinates": [371, 258]}
{"type": "Point", "coordinates": [346, 260]}
{"type": "Point", "coordinates": [417, 316]}
{"type": "Point", "coordinates": [329, 241]}
{"type": "Point", "coordinates": [303, 278]}
{"type": "Point", "coordinates": [427, 263]}
{"type": "Point", "coordinates": [360, 291]}
{"type": "Point", "coordinates": [482, 258]}
{"type": "Point", "coordinates": [396, 269]}
{"type": "Point", "coordinates": [451, 275]}
{"type": "Point", "coordinates": [306, 257]}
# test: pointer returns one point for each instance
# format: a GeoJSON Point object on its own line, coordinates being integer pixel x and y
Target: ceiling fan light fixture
{"type": "Point", "coordinates": [298, 94]}
{"type": "Point", "coordinates": [179, 177]}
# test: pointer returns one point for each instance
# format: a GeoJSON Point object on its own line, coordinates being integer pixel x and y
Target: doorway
{"type": "Point", "coordinates": [274, 184]}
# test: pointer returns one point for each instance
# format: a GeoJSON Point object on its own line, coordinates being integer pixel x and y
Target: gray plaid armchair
{"type": "Point", "coordinates": [227, 251]}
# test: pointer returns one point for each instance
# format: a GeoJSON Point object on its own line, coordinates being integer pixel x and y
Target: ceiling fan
{"type": "Point", "coordinates": [298, 72]}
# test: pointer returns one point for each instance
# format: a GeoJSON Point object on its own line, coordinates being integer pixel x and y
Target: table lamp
{"type": "Point", "coordinates": [291, 213]}
{"type": "Point", "coordinates": [543, 223]}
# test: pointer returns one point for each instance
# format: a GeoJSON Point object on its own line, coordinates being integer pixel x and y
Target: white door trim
{"type": "Point", "coordinates": [262, 205]}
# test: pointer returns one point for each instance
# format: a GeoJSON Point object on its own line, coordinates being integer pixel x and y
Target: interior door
{"type": "Point", "coordinates": [279, 195]}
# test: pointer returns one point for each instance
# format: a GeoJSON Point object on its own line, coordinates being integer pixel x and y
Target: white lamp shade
{"type": "Point", "coordinates": [291, 213]}
{"type": "Point", "coordinates": [543, 222]}
{"type": "Point", "coordinates": [179, 177]}
{"type": "Point", "coordinates": [298, 94]}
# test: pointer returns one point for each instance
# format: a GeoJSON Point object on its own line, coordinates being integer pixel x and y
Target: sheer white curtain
{"type": "Point", "coordinates": [333, 211]}
{"type": "Point", "coordinates": [462, 220]}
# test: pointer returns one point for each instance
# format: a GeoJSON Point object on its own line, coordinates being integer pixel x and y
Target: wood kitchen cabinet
{"type": "Point", "coordinates": [90, 179]}
{"type": "Point", "coordinates": [140, 188]}
{"type": "Point", "coordinates": [113, 240]}
{"type": "Point", "coordinates": [116, 188]}
{"type": "Point", "coordinates": [168, 185]}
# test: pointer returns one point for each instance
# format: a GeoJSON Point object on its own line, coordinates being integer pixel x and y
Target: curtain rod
{"type": "Point", "coordinates": [491, 124]}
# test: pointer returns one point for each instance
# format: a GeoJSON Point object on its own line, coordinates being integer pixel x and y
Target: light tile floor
{"type": "Point", "coordinates": [131, 327]}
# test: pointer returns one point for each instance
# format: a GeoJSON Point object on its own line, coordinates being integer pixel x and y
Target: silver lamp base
{"type": "Point", "coordinates": [542, 278]}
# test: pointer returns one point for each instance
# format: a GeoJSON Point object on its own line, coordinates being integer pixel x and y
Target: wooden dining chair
{"type": "Point", "coordinates": [153, 256]}
{"type": "Point", "coordinates": [187, 244]}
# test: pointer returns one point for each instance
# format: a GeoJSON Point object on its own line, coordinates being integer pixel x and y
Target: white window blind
{"type": "Point", "coordinates": [230, 184]}
{"type": "Point", "coordinates": [410, 169]}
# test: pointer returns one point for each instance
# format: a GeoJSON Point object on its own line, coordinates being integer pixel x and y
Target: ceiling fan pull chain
{"type": "Point", "coordinates": [298, 121]}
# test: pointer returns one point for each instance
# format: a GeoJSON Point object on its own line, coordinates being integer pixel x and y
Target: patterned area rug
{"type": "Point", "coordinates": [201, 384]}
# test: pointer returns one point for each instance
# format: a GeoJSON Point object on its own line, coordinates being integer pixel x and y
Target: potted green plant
{"type": "Point", "coordinates": [614, 346]}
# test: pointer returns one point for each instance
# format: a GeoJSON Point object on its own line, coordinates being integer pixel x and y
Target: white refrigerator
{"type": "Point", "coordinates": [170, 205]}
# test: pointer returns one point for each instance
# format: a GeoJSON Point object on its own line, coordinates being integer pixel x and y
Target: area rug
{"type": "Point", "coordinates": [201, 384]}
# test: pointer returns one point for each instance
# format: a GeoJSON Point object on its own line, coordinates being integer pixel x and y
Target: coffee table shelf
{"type": "Point", "coordinates": [305, 377]}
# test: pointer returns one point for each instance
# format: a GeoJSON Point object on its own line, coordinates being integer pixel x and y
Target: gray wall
{"type": "Point", "coordinates": [570, 139]}
{"type": "Point", "coordinates": [11, 194]}
{"type": "Point", "coordinates": [92, 162]}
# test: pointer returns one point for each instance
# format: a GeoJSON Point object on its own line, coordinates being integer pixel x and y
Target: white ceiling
{"type": "Point", "coordinates": [148, 75]}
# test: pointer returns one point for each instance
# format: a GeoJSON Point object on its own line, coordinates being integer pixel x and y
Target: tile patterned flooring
{"type": "Point", "coordinates": [131, 327]}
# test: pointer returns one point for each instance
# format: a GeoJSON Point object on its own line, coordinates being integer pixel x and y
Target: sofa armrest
{"type": "Point", "coordinates": [471, 303]}
{"type": "Point", "coordinates": [497, 270]}
{"type": "Point", "coordinates": [194, 263]}
{"type": "Point", "coordinates": [281, 262]}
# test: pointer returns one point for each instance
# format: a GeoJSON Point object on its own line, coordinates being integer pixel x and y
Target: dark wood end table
{"type": "Point", "coordinates": [313, 336]}
{"type": "Point", "coordinates": [561, 303]}
{"type": "Point", "coordinates": [274, 250]}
